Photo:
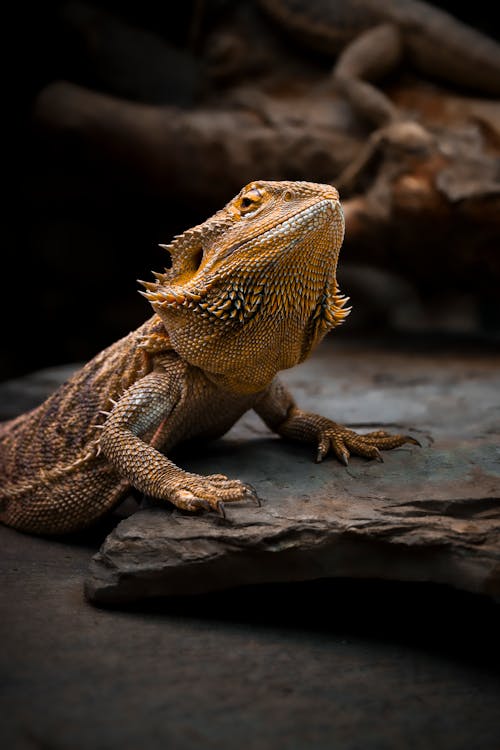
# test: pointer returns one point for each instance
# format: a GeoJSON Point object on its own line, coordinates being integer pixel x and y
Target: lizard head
{"type": "Point", "coordinates": [253, 289]}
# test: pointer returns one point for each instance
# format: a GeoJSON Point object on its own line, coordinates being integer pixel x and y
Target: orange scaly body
{"type": "Point", "coordinates": [251, 292]}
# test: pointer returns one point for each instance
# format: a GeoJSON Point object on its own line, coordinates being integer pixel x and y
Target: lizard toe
{"type": "Point", "coordinates": [251, 493]}
{"type": "Point", "coordinates": [187, 500]}
{"type": "Point", "coordinates": [344, 442]}
{"type": "Point", "coordinates": [218, 478]}
{"type": "Point", "coordinates": [205, 493]}
{"type": "Point", "coordinates": [199, 503]}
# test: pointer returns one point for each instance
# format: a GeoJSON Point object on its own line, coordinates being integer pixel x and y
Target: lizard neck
{"type": "Point", "coordinates": [250, 357]}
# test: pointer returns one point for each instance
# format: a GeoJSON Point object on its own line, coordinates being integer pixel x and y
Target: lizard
{"type": "Point", "coordinates": [370, 37]}
{"type": "Point", "coordinates": [250, 292]}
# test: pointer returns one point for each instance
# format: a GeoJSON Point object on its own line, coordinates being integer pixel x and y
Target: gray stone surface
{"type": "Point", "coordinates": [344, 664]}
{"type": "Point", "coordinates": [348, 663]}
{"type": "Point", "coordinates": [429, 514]}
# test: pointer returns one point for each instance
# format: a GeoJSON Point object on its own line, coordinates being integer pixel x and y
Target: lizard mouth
{"type": "Point", "coordinates": [308, 219]}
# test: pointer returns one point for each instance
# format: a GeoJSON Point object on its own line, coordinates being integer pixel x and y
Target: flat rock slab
{"type": "Point", "coordinates": [425, 514]}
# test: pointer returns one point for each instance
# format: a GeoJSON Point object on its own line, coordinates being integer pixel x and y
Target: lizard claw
{"type": "Point", "coordinates": [219, 507]}
{"type": "Point", "coordinates": [199, 503]}
{"type": "Point", "coordinates": [252, 495]}
{"type": "Point", "coordinates": [343, 441]}
{"type": "Point", "coordinates": [414, 441]}
{"type": "Point", "coordinates": [343, 456]}
{"type": "Point", "coordinates": [211, 493]}
{"type": "Point", "coordinates": [323, 447]}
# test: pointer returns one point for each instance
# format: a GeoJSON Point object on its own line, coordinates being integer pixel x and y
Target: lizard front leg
{"type": "Point", "coordinates": [141, 410]}
{"type": "Point", "coordinates": [279, 411]}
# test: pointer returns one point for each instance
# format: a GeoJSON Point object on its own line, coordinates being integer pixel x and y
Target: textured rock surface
{"type": "Point", "coordinates": [331, 663]}
{"type": "Point", "coordinates": [429, 514]}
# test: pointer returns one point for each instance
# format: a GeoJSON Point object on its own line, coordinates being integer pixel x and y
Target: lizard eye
{"type": "Point", "coordinates": [250, 201]}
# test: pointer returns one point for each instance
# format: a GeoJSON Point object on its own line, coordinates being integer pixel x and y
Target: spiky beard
{"type": "Point", "coordinates": [256, 302]}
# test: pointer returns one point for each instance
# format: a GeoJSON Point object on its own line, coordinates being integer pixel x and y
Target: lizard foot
{"type": "Point", "coordinates": [211, 493]}
{"type": "Point", "coordinates": [343, 442]}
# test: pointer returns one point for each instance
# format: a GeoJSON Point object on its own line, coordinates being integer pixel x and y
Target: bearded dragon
{"type": "Point", "coordinates": [250, 292]}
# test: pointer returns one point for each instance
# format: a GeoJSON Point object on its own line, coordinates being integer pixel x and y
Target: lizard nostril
{"type": "Point", "coordinates": [288, 195]}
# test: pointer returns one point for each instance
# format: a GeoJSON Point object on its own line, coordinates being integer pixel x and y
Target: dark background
{"type": "Point", "coordinates": [393, 664]}
{"type": "Point", "coordinates": [79, 232]}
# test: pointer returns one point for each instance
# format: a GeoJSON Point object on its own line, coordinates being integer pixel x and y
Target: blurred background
{"type": "Point", "coordinates": [129, 122]}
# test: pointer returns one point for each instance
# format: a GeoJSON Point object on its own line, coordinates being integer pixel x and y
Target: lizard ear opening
{"type": "Point", "coordinates": [189, 261]}
{"type": "Point", "coordinates": [197, 258]}
{"type": "Point", "coordinates": [183, 259]}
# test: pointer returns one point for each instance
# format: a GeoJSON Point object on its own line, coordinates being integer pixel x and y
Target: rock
{"type": "Point", "coordinates": [425, 514]}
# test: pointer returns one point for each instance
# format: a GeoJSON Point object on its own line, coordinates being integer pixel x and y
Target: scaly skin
{"type": "Point", "coordinates": [250, 292]}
